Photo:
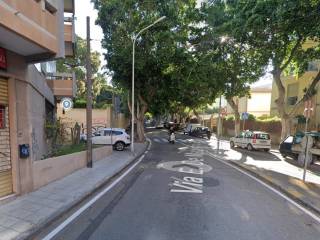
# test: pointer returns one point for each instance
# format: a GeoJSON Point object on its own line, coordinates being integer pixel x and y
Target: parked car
{"type": "Point", "coordinates": [189, 127]}
{"type": "Point", "coordinates": [117, 137]}
{"type": "Point", "coordinates": [252, 140]}
{"type": "Point", "coordinates": [285, 147]}
{"type": "Point", "coordinates": [294, 146]}
{"type": "Point", "coordinates": [201, 132]}
{"type": "Point", "coordinates": [160, 125]}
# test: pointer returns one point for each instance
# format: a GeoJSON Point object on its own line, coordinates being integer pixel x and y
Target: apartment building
{"type": "Point", "coordinates": [257, 104]}
{"type": "Point", "coordinates": [33, 33]}
{"type": "Point", "coordinates": [295, 88]}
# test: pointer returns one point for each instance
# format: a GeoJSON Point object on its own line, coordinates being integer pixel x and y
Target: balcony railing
{"type": "Point", "coordinates": [62, 84]}
{"type": "Point", "coordinates": [28, 28]}
{"type": "Point", "coordinates": [69, 36]}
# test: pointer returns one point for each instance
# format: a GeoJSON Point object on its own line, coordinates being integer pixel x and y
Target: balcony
{"type": "Point", "coordinates": [29, 28]}
{"type": "Point", "coordinates": [69, 6]}
{"type": "Point", "coordinates": [62, 84]}
{"type": "Point", "coordinates": [69, 37]}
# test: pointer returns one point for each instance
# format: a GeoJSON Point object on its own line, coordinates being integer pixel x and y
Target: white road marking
{"type": "Point", "coordinates": [303, 209]}
{"type": "Point", "coordinates": [164, 139]}
{"type": "Point", "coordinates": [76, 214]}
{"type": "Point", "coordinates": [157, 140]}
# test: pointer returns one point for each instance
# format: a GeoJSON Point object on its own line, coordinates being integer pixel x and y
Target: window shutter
{"type": "Point", "coordinates": [3, 92]}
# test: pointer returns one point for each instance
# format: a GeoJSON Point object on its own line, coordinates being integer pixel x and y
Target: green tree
{"type": "Point", "coordinates": [279, 30]}
{"type": "Point", "coordinates": [162, 54]}
{"type": "Point", "coordinates": [78, 65]}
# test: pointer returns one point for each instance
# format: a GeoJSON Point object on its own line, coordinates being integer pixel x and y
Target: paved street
{"type": "Point", "coordinates": [181, 192]}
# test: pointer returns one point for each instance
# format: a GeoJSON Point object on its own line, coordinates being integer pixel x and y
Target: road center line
{"type": "Point", "coordinates": [76, 214]}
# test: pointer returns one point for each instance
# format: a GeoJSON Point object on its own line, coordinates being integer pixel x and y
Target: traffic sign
{"type": "Point", "coordinates": [66, 103]}
{"type": "Point", "coordinates": [308, 109]}
{"type": "Point", "coordinates": [245, 116]}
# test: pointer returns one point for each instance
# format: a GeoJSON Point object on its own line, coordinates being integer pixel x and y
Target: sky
{"type": "Point", "coordinates": [86, 9]}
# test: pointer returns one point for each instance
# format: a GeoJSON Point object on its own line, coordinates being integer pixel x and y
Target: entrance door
{"type": "Point", "coordinates": [5, 154]}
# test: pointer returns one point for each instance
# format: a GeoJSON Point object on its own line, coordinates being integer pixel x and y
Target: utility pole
{"type": "Point", "coordinates": [219, 123]}
{"type": "Point", "coordinates": [89, 98]}
{"type": "Point", "coordinates": [308, 110]}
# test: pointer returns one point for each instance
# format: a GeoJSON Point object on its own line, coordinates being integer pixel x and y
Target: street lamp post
{"type": "Point", "coordinates": [134, 39]}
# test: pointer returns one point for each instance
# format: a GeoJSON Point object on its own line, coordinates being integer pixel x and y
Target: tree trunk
{"type": "Point", "coordinates": [141, 110]}
{"type": "Point", "coordinates": [235, 109]}
{"type": "Point", "coordinates": [285, 127]}
{"type": "Point", "coordinates": [237, 124]}
{"type": "Point", "coordinates": [280, 102]}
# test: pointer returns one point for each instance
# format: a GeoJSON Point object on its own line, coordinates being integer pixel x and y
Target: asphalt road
{"type": "Point", "coordinates": [180, 192]}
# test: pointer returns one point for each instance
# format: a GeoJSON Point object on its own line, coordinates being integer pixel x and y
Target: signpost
{"type": "Point", "coordinates": [244, 117]}
{"type": "Point", "coordinates": [308, 110]}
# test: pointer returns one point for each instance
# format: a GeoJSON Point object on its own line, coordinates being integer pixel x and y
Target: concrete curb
{"type": "Point", "coordinates": [278, 187]}
{"type": "Point", "coordinates": [31, 233]}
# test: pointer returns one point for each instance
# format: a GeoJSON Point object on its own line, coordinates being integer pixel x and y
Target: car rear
{"type": "Point", "coordinates": [261, 140]}
{"type": "Point", "coordinates": [127, 138]}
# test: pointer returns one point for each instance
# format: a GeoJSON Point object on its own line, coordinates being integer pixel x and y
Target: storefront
{"type": "Point", "coordinates": [5, 154]}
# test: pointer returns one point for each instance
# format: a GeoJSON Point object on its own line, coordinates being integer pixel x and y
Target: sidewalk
{"type": "Point", "coordinates": [29, 213]}
{"type": "Point", "coordinates": [273, 169]}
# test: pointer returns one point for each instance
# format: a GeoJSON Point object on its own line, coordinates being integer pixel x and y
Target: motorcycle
{"type": "Point", "coordinates": [172, 138]}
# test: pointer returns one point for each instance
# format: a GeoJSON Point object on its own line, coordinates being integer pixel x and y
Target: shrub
{"type": "Point", "coordinates": [230, 118]}
{"type": "Point", "coordinates": [269, 119]}
{"type": "Point", "coordinates": [251, 117]}
{"type": "Point", "coordinates": [263, 117]}
{"type": "Point", "coordinates": [80, 103]}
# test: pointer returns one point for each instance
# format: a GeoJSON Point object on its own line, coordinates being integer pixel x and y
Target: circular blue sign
{"type": "Point", "coordinates": [66, 103]}
{"type": "Point", "coordinates": [245, 116]}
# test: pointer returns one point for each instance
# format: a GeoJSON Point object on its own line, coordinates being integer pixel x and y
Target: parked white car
{"type": "Point", "coordinates": [112, 136]}
{"type": "Point", "coordinates": [190, 126]}
{"type": "Point", "coordinates": [252, 140]}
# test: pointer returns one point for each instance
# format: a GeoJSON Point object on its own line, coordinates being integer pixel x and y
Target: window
{"type": "Point", "coordinates": [249, 135]}
{"type": "Point", "coordinates": [2, 116]}
{"type": "Point", "coordinates": [107, 132]}
{"type": "Point", "coordinates": [313, 66]}
{"type": "Point", "coordinates": [263, 136]}
{"type": "Point", "coordinates": [241, 135]}
{"type": "Point", "coordinates": [292, 100]}
{"type": "Point", "coordinates": [289, 139]}
{"type": "Point", "coordinates": [292, 94]}
{"type": "Point", "coordinates": [117, 133]}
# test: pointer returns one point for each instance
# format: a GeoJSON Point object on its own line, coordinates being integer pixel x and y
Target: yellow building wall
{"type": "Point", "coordinates": [258, 104]}
{"type": "Point", "coordinates": [303, 83]}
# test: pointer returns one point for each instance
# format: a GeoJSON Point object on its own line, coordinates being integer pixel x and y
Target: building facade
{"type": "Point", "coordinates": [33, 33]}
{"type": "Point", "coordinates": [257, 104]}
{"type": "Point", "coordinates": [295, 88]}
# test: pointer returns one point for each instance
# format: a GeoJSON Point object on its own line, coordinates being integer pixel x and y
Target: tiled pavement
{"type": "Point", "coordinates": [28, 213]}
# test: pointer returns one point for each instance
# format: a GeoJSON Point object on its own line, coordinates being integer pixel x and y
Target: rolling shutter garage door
{"type": "Point", "coordinates": [5, 155]}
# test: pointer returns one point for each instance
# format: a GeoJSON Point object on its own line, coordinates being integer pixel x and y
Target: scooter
{"type": "Point", "coordinates": [172, 138]}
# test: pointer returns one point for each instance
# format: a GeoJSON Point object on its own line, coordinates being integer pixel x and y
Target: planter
{"type": "Point", "coordinates": [51, 169]}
